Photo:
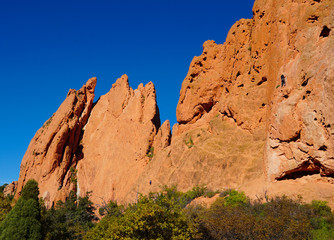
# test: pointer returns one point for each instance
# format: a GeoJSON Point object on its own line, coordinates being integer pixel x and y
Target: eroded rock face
{"type": "Point", "coordinates": [238, 127]}
{"type": "Point", "coordinates": [292, 38]}
{"type": "Point", "coordinates": [225, 78]}
{"type": "Point", "coordinates": [55, 147]}
{"type": "Point", "coordinates": [300, 139]}
{"type": "Point", "coordinates": [201, 88]}
{"type": "Point", "coordinates": [10, 189]}
{"type": "Point", "coordinates": [118, 141]}
{"type": "Point", "coordinates": [239, 82]}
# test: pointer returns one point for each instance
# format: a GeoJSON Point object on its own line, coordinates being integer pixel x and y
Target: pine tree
{"type": "Point", "coordinates": [24, 220]}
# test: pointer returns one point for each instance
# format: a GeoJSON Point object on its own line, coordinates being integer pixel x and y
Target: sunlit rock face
{"type": "Point", "coordinates": [56, 148]}
{"type": "Point", "coordinates": [238, 127]}
{"type": "Point", "coordinates": [118, 141]}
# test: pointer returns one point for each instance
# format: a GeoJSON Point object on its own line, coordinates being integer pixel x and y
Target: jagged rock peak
{"type": "Point", "coordinates": [201, 88]}
{"type": "Point", "coordinates": [119, 140]}
{"type": "Point", "coordinates": [55, 147]}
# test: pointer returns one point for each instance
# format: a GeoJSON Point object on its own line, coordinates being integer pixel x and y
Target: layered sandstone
{"type": "Point", "coordinates": [55, 147]}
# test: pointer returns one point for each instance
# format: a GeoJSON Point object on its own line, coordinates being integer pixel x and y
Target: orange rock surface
{"type": "Point", "coordinates": [118, 140]}
{"type": "Point", "coordinates": [55, 147]}
{"type": "Point", "coordinates": [10, 189]}
{"type": "Point", "coordinates": [238, 127]}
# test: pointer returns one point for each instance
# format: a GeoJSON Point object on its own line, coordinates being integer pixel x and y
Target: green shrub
{"type": "Point", "coordinates": [150, 153]}
{"type": "Point", "coordinates": [5, 206]}
{"type": "Point", "coordinates": [70, 219]}
{"type": "Point", "coordinates": [111, 209]}
{"type": "Point", "coordinates": [2, 187]}
{"type": "Point", "coordinates": [157, 216]}
{"type": "Point", "coordinates": [189, 142]}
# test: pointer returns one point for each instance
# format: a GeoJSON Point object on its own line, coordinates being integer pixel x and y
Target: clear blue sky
{"type": "Point", "coordinates": [48, 47]}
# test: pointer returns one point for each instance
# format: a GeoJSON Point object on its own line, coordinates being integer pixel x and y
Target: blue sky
{"type": "Point", "coordinates": [48, 47]}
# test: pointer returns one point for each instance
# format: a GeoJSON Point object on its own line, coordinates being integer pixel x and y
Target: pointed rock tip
{"type": "Point", "coordinates": [150, 85]}
{"type": "Point", "coordinates": [91, 83]}
{"type": "Point", "coordinates": [209, 44]}
{"type": "Point", "coordinates": [166, 123]}
{"type": "Point", "coordinates": [123, 79]}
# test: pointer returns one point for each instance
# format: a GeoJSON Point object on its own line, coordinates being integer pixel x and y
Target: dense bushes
{"type": "Point", "coordinates": [166, 215]}
{"type": "Point", "coordinates": [5, 206]}
{"type": "Point", "coordinates": [280, 218]}
{"type": "Point", "coordinates": [70, 219]}
{"type": "Point", "coordinates": [157, 216]}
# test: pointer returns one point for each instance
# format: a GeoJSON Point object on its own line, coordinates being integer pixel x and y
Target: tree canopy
{"type": "Point", "coordinates": [24, 220]}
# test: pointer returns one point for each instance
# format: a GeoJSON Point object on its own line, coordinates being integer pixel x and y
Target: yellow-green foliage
{"type": "Point", "coordinates": [166, 215]}
{"type": "Point", "coordinates": [157, 216]}
{"type": "Point", "coordinates": [150, 153]}
{"type": "Point", "coordinates": [189, 142]}
{"type": "Point", "coordinates": [5, 206]}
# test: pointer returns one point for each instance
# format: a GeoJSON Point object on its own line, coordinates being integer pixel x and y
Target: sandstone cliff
{"type": "Point", "coordinates": [238, 127]}
{"type": "Point", "coordinates": [55, 148]}
{"type": "Point", "coordinates": [119, 140]}
{"type": "Point", "coordinates": [10, 189]}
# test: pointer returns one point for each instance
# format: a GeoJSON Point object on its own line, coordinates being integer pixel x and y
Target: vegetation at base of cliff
{"type": "Point", "coordinates": [24, 220]}
{"type": "Point", "coordinates": [70, 219]}
{"type": "Point", "coordinates": [167, 214]}
{"type": "Point", "coordinates": [2, 187]}
{"type": "Point", "coordinates": [5, 206]}
{"type": "Point", "coordinates": [5, 203]}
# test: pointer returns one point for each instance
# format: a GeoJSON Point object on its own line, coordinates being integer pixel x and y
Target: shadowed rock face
{"type": "Point", "coordinates": [238, 127]}
{"type": "Point", "coordinates": [55, 147]}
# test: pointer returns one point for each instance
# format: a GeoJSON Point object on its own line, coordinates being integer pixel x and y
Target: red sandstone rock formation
{"type": "Point", "coordinates": [238, 128]}
{"type": "Point", "coordinates": [55, 147]}
{"type": "Point", "coordinates": [10, 189]}
{"type": "Point", "coordinates": [119, 139]}
{"type": "Point", "coordinates": [300, 120]}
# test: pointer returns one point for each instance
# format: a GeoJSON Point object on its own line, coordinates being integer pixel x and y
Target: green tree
{"type": "Point", "coordinates": [2, 187]}
{"type": "Point", "coordinates": [70, 219]}
{"type": "Point", "coordinates": [157, 216]}
{"type": "Point", "coordinates": [111, 209]}
{"type": "Point", "coordinates": [23, 221]}
{"type": "Point", "coordinates": [5, 206]}
{"type": "Point", "coordinates": [322, 221]}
